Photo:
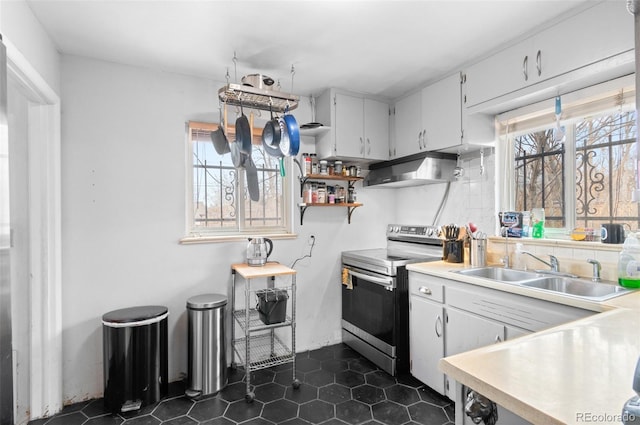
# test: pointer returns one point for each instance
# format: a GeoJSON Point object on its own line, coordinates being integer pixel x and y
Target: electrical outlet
{"type": "Point", "coordinates": [311, 240]}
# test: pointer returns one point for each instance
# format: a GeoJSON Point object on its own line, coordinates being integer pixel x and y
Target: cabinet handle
{"type": "Point", "coordinates": [361, 146]}
{"type": "Point", "coordinates": [439, 329]}
{"type": "Point", "coordinates": [425, 290]}
{"type": "Point", "coordinates": [498, 339]}
{"type": "Point", "coordinates": [368, 146]}
{"type": "Point", "coordinates": [420, 140]}
{"type": "Point", "coordinates": [539, 62]}
{"type": "Point", "coordinates": [424, 138]}
{"type": "Point", "coordinates": [525, 65]}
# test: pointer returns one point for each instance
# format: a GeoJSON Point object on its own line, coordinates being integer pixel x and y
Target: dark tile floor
{"type": "Point", "coordinates": [338, 387]}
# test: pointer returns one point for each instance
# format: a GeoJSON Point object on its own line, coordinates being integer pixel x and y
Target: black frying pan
{"type": "Point", "coordinates": [243, 132]}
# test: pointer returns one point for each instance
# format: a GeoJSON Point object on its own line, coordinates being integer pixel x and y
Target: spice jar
{"type": "Point", "coordinates": [351, 198]}
{"type": "Point", "coordinates": [314, 164]}
{"type": "Point", "coordinates": [322, 193]}
{"type": "Point", "coordinates": [340, 194]}
{"type": "Point", "coordinates": [307, 193]}
{"type": "Point", "coordinates": [337, 168]}
{"type": "Point", "coordinates": [307, 164]}
{"type": "Point", "coordinates": [323, 167]}
{"type": "Point", "coordinates": [331, 194]}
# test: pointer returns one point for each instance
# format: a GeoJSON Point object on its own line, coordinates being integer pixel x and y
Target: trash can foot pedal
{"type": "Point", "coordinates": [192, 393]}
{"type": "Point", "coordinates": [129, 405]}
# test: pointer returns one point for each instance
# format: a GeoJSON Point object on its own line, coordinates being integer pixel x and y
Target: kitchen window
{"type": "Point", "coordinates": [219, 207]}
{"type": "Point", "coordinates": [581, 168]}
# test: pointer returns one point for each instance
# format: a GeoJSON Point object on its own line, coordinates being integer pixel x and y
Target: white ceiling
{"type": "Point", "coordinates": [383, 48]}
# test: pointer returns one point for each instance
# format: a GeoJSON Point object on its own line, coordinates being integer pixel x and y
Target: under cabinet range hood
{"type": "Point", "coordinates": [414, 170]}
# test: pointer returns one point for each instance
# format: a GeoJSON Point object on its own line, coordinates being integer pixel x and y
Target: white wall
{"type": "Point", "coordinates": [123, 186]}
{"type": "Point", "coordinates": [21, 29]}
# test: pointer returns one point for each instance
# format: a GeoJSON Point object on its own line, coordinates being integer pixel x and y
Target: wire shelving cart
{"type": "Point", "coordinates": [258, 345]}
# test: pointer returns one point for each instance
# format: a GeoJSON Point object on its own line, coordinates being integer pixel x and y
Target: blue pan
{"type": "Point", "coordinates": [290, 145]}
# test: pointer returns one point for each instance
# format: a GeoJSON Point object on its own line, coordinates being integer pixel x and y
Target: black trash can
{"type": "Point", "coordinates": [135, 357]}
{"type": "Point", "coordinates": [207, 368]}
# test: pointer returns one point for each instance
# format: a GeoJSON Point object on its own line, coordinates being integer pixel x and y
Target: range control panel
{"type": "Point", "coordinates": [400, 230]}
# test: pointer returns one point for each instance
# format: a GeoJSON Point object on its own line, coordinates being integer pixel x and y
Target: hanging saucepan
{"type": "Point", "coordinates": [275, 151]}
{"type": "Point", "coordinates": [291, 144]}
{"type": "Point", "coordinates": [219, 139]}
{"type": "Point", "coordinates": [243, 132]}
{"type": "Point", "coordinates": [271, 134]}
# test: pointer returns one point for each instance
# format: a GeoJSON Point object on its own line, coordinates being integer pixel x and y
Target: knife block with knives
{"type": "Point", "coordinates": [453, 245]}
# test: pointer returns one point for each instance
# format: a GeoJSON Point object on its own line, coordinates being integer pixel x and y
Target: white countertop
{"type": "Point", "coordinates": [576, 373]}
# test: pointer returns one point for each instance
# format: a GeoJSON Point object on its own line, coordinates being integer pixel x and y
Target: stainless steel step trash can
{"type": "Point", "coordinates": [207, 368]}
{"type": "Point", "coordinates": [135, 357]}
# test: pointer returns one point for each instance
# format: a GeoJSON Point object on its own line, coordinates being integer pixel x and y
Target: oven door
{"type": "Point", "coordinates": [369, 308]}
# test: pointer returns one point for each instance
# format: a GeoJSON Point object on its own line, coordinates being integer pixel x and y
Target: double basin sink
{"type": "Point", "coordinates": [579, 288]}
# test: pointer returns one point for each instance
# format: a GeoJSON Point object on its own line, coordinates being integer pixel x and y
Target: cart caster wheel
{"type": "Point", "coordinates": [296, 384]}
{"type": "Point", "coordinates": [249, 397]}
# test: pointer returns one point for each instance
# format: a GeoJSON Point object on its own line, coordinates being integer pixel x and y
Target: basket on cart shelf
{"type": "Point", "coordinates": [272, 305]}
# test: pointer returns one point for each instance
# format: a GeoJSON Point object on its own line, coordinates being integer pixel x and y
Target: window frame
{"type": "Point", "coordinates": [591, 101]}
{"type": "Point", "coordinates": [192, 235]}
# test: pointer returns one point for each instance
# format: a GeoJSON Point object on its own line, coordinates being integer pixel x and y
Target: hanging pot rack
{"type": "Point", "coordinates": [262, 99]}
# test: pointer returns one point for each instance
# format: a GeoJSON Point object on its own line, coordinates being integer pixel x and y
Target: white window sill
{"type": "Point", "coordinates": [188, 240]}
{"type": "Point", "coordinates": [563, 243]}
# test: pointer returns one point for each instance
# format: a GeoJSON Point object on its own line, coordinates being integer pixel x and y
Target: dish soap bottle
{"type": "Point", "coordinates": [629, 263]}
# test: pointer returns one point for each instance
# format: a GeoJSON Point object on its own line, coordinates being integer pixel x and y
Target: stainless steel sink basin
{"type": "Point", "coordinates": [500, 274]}
{"type": "Point", "coordinates": [577, 288]}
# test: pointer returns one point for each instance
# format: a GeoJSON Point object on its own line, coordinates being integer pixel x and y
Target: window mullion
{"type": "Point", "coordinates": [570, 176]}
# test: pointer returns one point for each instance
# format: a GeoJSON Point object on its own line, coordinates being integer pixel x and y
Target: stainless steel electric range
{"type": "Point", "coordinates": [375, 295]}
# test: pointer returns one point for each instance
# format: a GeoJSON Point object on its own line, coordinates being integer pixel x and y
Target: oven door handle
{"type": "Point", "coordinates": [387, 282]}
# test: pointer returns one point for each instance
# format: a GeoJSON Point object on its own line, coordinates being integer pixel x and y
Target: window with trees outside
{"type": "Point", "coordinates": [582, 171]}
{"type": "Point", "coordinates": [219, 202]}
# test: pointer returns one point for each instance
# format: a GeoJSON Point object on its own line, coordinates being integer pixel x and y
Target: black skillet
{"type": "Point", "coordinates": [243, 132]}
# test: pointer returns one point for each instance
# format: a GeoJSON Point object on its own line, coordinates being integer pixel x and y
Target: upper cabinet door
{"type": "Point", "coordinates": [376, 130]}
{"type": "Point", "coordinates": [349, 116]}
{"type": "Point", "coordinates": [504, 72]}
{"type": "Point", "coordinates": [573, 44]}
{"type": "Point", "coordinates": [408, 125]}
{"type": "Point", "coordinates": [598, 33]}
{"type": "Point", "coordinates": [442, 113]}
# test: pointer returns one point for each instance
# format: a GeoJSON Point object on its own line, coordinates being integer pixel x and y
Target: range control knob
{"type": "Point", "coordinates": [429, 231]}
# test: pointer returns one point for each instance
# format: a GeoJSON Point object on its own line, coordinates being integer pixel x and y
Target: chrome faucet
{"type": "Point", "coordinates": [596, 270]}
{"type": "Point", "coordinates": [505, 259]}
{"type": "Point", "coordinates": [553, 263]}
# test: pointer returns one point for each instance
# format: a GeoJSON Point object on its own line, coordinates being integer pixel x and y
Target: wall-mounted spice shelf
{"type": "Point", "coordinates": [351, 206]}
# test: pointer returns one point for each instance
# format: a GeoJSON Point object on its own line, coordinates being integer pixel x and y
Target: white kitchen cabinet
{"type": "Point", "coordinates": [434, 119]}
{"type": "Point", "coordinates": [426, 339]}
{"type": "Point", "coordinates": [376, 129]}
{"type": "Point", "coordinates": [426, 329]}
{"type": "Point", "coordinates": [466, 331]}
{"type": "Point", "coordinates": [408, 126]}
{"type": "Point", "coordinates": [575, 43]}
{"type": "Point", "coordinates": [442, 114]}
{"type": "Point", "coordinates": [348, 123]}
{"type": "Point", "coordinates": [359, 127]}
